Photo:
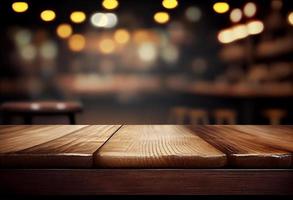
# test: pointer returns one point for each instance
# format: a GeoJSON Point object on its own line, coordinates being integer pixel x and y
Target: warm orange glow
{"type": "Point", "coordinates": [170, 4]}
{"type": "Point", "coordinates": [76, 42]}
{"type": "Point", "coordinates": [110, 4]}
{"type": "Point", "coordinates": [161, 17]}
{"type": "Point", "coordinates": [19, 7]}
{"type": "Point", "coordinates": [290, 18]}
{"type": "Point", "coordinates": [64, 30]}
{"type": "Point", "coordinates": [48, 15]}
{"type": "Point", "coordinates": [107, 46]}
{"type": "Point", "coordinates": [121, 36]}
{"type": "Point", "coordinates": [78, 17]}
{"type": "Point", "coordinates": [221, 7]}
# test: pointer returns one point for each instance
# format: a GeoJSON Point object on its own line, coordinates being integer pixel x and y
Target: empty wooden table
{"type": "Point", "coordinates": [146, 159]}
{"type": "Point", "coordinates": [28, 110]}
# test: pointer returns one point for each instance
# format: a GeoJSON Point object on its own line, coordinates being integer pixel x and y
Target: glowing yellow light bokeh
{"type": "Point", "coordinates": [221, 7]}
{"type": "Point", "coordinates": [110, 4]}
{"type": "Point", "coordinates": [107, 46]}
{"type": "Point", "coordinates": [48, 15]}
{"type": "Point", "coordinates": [19, 7]}
{"type": "Point", "coordinates": [76, 42]}
{"type": "Point", "coordinates": [161, 17]}
{"type": "Point", "coordinates": [64, 30]}
{"type": "Point", "coordinates": [121, 36]}
{"type": "Point", "coordinates": [78, 17]}
{"type": "Point", "coordinates": [170, 4]}
{"type": "Point", "coordinates": [290, 18]}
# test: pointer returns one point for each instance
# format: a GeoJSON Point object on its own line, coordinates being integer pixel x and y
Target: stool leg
{"type": "Point", "coordinates": [72, 118]}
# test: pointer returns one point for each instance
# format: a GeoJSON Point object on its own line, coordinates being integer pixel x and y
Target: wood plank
{"type": "Point", "coordinates": [275, 136]}
{"type": "Point", "coordinates": [158, 146]}
{"type": "Point", "coordinates": [13, 141]}
{"type": "Point", "coordinates": [74, 150]}
{"type": "Point", "coordinates": [146, 181]}
{"type": "Point", "coordinates": [244, 150]}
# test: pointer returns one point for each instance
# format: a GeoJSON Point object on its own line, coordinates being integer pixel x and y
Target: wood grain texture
{"type": "Point", "coordinates": [246, 148]}
{"type": "Point", "coordinates": [12, 140]}
{"type": "Point", "coordinates": [146, 181]}
{"type": "Point", "coordinates": [158, 146]}
{"type": "Point", "coordinates": [74, 150]}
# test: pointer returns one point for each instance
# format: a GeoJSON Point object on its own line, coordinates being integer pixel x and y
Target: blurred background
{"type": "Point", "coordinates": [147, 61]}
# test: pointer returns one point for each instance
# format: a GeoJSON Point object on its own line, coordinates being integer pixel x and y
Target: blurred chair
{"type": "Point", "coordinates": [275, 116]}
{"type": "Point", "coordinates": [225, 116]}
{"type": "Point", "coordinates": [198, 116]}
{"type": "Point", "coordinates": [28, 110]}
{"type": "Point", "coordinates": [178, 115]}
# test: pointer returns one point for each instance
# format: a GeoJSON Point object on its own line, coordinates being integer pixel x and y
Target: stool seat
{"type": "Point", "coordinates": [275, 115]}
{"type": "Point", "coordinates": [41, 107]}
{"type": "Point", "coordinates": [29, 109]}
{"type": "Point", "coordinates": [224, 115]}
{"type": "Point", "coordinates": [199, 116]}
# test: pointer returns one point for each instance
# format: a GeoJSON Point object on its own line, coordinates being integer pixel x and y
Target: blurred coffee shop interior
{"type": "Point", "coordinates": [147, 62]}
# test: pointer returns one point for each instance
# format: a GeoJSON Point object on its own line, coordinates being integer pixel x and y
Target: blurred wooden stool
{"type": "Point", "coordinates": [28, 110]}
{"type": "Point", "coordinates": [225, 116]}
{"type": "Point", "coordinates": [198, 116]}
{"type": "Point", "coordinates": [178, 115]}
{"type": "Point", "coordinates": [275, 116]}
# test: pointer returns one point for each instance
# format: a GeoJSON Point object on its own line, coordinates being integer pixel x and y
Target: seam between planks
{"type": "Point", "coordinates": [97, 151]}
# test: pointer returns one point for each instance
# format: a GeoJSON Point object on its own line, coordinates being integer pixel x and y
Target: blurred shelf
{"type": "Point", "coordinates": [243, 90]}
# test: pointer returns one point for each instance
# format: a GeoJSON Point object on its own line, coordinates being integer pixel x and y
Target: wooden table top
{"type": "Point", "coordinates": [146, 146]}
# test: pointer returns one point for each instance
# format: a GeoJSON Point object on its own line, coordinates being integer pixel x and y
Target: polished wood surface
{"type": "Point", "coordinates": [146, 146]}
{"type": "Point", "coordinates": [251, 146]}
{"type": "Point", "coordinates": [158, 146]}
{"type": "Point", "coordinates": [56, 146]}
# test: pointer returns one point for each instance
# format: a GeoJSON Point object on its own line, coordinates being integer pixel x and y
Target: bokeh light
{"type": "Point", "coordinates": [147, 52]}
{"type": "Point", "coordinates": [107, 46]}
{"type": "Point", "coordinates": [49, 50]}
{"type": "Point", "coordinates": [48, 15]}
{"type": "Point", "coordinates": [64, 30]}
{"type": "Point", "coordinates": [225, 36]}
{"type": "Point", "coordinates": [110, 4]}
{"type": "Point", "coordinates": [161, 17]}
{"type": "Point", "coordinates": [239, 31]}
{"type": "Point", "coordinates": [121, 36]}
{"type": "Point", "coordinates": [78, 17]}
{"type": "Point", "coordinates": [255, 27]}
{"type": "Point", "coordinates": [290, 18]}
{"type": "Point", "coordinates": [104, 20]}
{"type": "Point", "coordinates": [249, 9]}
{"type": "Point", "coordinates": [28, 52]}
{"type": "Point", "coordinates": [20, 7]}
{"type": "Point", "coordinates": [76, 42]}
{"type": "Point", "coordinates": [170, 4]}
{"type": "Point", "coordinates": [235, 15]}
{"type": "Point", "coordinates": [193, 14]}
{"type": "Point", "coordinates": [23, 37]}
{"type": "Point", "coordinates": [221, 7]}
